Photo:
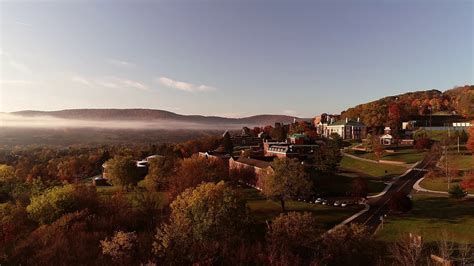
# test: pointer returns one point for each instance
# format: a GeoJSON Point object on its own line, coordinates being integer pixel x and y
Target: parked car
{"type": "Point", "coordinates": [318, 200]}
{"type": "Point", "coordinates": [325, 202]}
{"type": "Point", "coordinates": [344, 204]}
{"type": "Point", "coordinates": [337, 203]}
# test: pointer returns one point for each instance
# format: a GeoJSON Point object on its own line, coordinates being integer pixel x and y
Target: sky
{"type": "Point", "coordinates": [229, 58]}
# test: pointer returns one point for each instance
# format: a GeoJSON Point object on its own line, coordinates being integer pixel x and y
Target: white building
{"type": "Point", "coordinates": [347, 129]}
{"type": "Point", "coordinates": [387, 138]}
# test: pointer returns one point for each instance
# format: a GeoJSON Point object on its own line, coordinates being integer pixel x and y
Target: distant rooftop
{"type": "Point", "coordinates": [254, 162]}
{"type": "Point", "coordinates": [347, 122]}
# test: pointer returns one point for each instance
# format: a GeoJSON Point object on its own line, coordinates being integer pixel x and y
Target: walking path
{"type": "Point", "coordinates": [418, 188]}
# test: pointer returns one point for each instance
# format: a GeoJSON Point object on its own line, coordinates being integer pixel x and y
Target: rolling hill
{"type": "Point", "coordinates": [153, 115]}
{"type": "Point", "coordinates": [459, 100]}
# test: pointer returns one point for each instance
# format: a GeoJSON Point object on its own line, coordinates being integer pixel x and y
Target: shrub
{"type": "Point", "coordinates": [400, 202]}
{"type": "Point", "coordinates": [457, 192]}
{"type": "Point", "coordinates": [422, 143]}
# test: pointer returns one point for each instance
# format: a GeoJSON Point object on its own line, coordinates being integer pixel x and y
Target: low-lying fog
{"type": "Point", "coordinates": [16, 121]}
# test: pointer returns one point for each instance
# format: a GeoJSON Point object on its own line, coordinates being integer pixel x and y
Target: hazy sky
{"type": "Point", "coordinates": [229, 58]}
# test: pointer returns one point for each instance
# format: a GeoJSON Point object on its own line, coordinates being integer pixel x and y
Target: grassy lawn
{"type": "Point", "coordinates": [376, 175]}
{"type": "Point", "coordinates": [263, 209]}
{"type": "Point", "coordinates": [401, 154]}
{"type": "Point", "coordinates": [437, 134]}
{"type": "Point", "coordinates": [462, 162]}
{"type": "Point", "coordinates": [441, 183]}
{"type": "Point", "coordinates": [432, 217]}
{"type": "Point", "coordinates": [338, 185]}
{"type": "Point", "coordinates": [373, 170]}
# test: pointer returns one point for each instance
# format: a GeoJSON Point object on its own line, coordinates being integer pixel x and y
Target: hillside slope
{"type": "Point", "coordinates": [375, 113]}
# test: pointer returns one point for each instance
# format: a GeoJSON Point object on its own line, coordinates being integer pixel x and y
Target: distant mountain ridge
{"type": "Point", "coordinates": [153, 115]}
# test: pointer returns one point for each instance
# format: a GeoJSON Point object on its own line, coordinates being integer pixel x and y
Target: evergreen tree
{"type": "Point", "coordinates": [227, 143]}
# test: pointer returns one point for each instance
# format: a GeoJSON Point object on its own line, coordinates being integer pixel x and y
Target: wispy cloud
{"type": "Point", "coordinates": [110, 82]}
{"type": "Point", "coordinates": [20, 67]}
{"type": "Point", "coordinates": [132, 84]}
{"type": "Point", "coordinates": [82, 80]}
{"type": "Point", "coordinates": [120, 63]}
{"type": "Point", "coordinates": [184, 86]}
{"type": "Point", "coordinates": [23, 24]}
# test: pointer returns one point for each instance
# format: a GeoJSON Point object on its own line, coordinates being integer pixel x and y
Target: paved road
{"type": "Point", "coordinates": [379, 206]}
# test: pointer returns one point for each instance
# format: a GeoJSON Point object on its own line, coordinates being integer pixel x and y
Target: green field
{"type": "Point", "coordinates": [373, 170]}
{"type": "Point", "coordinates": [441, 183]}
{"type": "Point", "coordinates": [375, 173]}
{"type": "Point", "coordinates": [433, 217]}
{"type": "Point", "coordinates": [263, 209]}
{"type": "Point", "coordinates": [406, 155]}
{"type": "Point", "coordinates": [462, 162]}
{"type": "Point", "coordinates": [338, 185]}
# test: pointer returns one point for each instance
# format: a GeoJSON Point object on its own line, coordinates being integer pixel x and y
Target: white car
{"type": "Point", "coordinates": [318, 200]}
{"type": "Point", "coordinates": [337, 203]}
{"type": "Point", "coordinates": [325, 202]}
{"type": "Point", "coordinates": [344, 204]}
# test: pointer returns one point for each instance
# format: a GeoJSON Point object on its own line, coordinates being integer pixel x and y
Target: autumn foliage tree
{"type": "Point", "coordinates": [70, 240]}
{"type": "Point", "coordinates": [291, 237]}
{"type": "Point", "coordinates": [121, 247]}
{"type": "Point", "coordinates": [468, 183]}
{"type": "Point", "coordinates": [470, 140]}
{"type": "Point", "coordinates": [347, 245]}
{"type": "Point", "coordinates": [400, 203]}
{"type": "Point", "coordinates": [195, 170]}
{"type": "Point", "coordinates": [286, 180]}
{"type": "Point", "coordinates": [377, 147]}
{"type": "Point", "coordinates": [376, 113]}
{"type": "Point", "coordinates": [204, 221]}
{"type": "Point", "coordinates": [14, 226]}
{"type": "Point", "coordinates": [328, 157]}
{"type": "Point", "coordinates": [394, 118]}
{"type": "Point", "coordinates": [57, 201]}
{"type": "Point", "coordinates": [160, 170]}
{"type": "Point", "coordinates": [360, 187]}
{"type": "Point", "coordinates": [122, 170]}
{"type": "Point", "coordinates": [278, 132]}
{"type": "Point", "coordinates": [243, 174]}
{"type": "Point", "coordinates": [422, 143]}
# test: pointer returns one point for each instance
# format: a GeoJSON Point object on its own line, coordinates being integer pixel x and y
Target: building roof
{"type": "Point", "coordinates": [279, 148]}
{"type": "Point", "coordinates": [254, 162]}
{"type": "Point", "coordinates": [347, 122]}
{"type": "Point", "coordinates": [154, 156]}
{"type": "Point", "coordinates": [216, 153]}
{"type": "Point", "coordinates": [298, 136]}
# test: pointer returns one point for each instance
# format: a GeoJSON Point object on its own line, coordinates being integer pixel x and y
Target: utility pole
{"type": "Point", "coordinates": [431, 114]}
{"type": "Point", "coordinates": [446, 157]}
{"type": "Point", "coordinates": [458, 143]}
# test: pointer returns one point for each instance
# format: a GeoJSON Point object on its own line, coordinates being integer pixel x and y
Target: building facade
{"type": "Point", "coordinates": [346, 129]}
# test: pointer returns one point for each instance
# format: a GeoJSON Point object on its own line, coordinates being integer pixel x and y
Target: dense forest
{"type": "Point", "coordinates": [376, 113]}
